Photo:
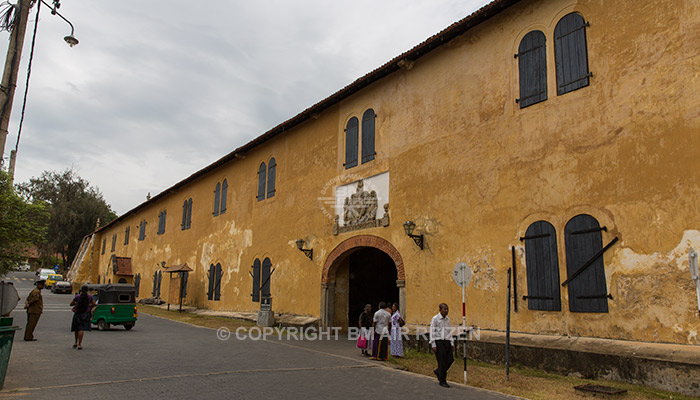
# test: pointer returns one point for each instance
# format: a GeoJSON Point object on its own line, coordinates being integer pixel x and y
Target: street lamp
{"type": "Point", "coordinates": [70, 39]}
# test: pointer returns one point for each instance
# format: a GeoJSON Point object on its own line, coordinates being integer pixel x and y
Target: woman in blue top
{"type": "Point", "coordinates": [82, 316]}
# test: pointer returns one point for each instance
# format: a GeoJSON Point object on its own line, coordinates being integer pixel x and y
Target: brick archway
{"type": "Point", "coordinates": [348, 245]}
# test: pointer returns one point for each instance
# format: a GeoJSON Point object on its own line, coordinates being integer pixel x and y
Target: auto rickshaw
{"type": "Point", "coordinates": [116, 305]}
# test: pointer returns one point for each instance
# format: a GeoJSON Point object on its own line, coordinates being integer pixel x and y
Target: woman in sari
{"type": "Point", "coordinates": [396, 339]}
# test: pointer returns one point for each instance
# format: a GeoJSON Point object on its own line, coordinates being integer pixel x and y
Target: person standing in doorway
{"type": "Point", "coordinates": [83, 304]}
{"type": "Point", "coordinates": [442, 343]}
{"type": "Point", "coordinates": [397, 323]}
{"type": "Point", "coordinates": [365, 323]}
{"type": "Point", "coordinates": [34, 306]}
{"type": "Point", "coordinates": [381, 320]}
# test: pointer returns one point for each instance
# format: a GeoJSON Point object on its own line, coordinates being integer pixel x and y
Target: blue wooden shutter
{"type": "Point", "coordinates": [189, 213]}
{"type": "Point", "coordinates": [224, 196]}
{"type": "Point", "coordinates": [351, 143]}
{"type": "Point", "coordinates": [262, 174]}
{"type": "Point", "coordinates": [210, 287]}
{"type": "Point", "coordinates": [184, 276]}
{"type": "Point", "coordinates": [271, 171]}
{"type": "Point", "coordinates": [532, 64]}
{"type": "Point", "coordinates": [126, 236]}
{"type": "Point", "coordinates": [542, 265]}
{"type": "Point", "coordinates": [160, 280]}
{"type": "Point", "coordinates": [368, 136]}
{"type": "Point", "coordinates": [217, 198]}
{"type": "Point", "coordinates": [587, 291]}
{"type": "Point", "coordinates": [165, 213]}
{"type": "Point", "coordinates": [265, 278]}
{"type": "Point", "coordinates": [256, 280]}
{"type": "Point", "coordinates": [137, 284]}
{"type": "Point", "coordinates": [571, 54]}
{"type": "Point", "coordinates": [114, 242]}
{"type": "Point", "coordinates": [155, 284]}
{"type": "Point", "coordinates": [183, 225]}
{"type": "Point", "coordinates": [217, 286]}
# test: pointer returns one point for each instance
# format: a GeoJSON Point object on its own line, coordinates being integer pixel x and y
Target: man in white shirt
{"type": "Point", "coordinates": [442, 342]}
{"type": "Point", "coordinates": [381, 333]}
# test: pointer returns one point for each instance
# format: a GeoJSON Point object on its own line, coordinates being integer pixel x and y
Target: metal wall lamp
{"type": "Point", "coordinates": [408, 227]}
{"type": "Point", "coordinates": [70, 39]}
{"type": "Point", "coordinates": [308, 252]}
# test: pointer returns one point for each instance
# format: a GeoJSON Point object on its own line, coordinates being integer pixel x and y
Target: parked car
{"type": "Point", "coordinates": [22, 267]}
{"type": "Point", "coordinates": [62, 287]}
{"type": "Point", "coordinates": [52, 279]}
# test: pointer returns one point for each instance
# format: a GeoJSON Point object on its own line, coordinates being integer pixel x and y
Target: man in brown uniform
{"type": "Point", "coordinates": [34, 306]}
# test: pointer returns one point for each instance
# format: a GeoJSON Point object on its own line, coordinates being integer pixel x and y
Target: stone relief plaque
{"type": "Point", "coordinates": [360, 212]}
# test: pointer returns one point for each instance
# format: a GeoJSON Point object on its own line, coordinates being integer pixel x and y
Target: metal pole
{"type": "Point", "coordinates": [182, 274]}
{"type": "Point", "coordinates": [508, 332]}
{"type": "Point", "coordinates": [464, 325]}
{"type": "Point", "coordinates": [515, 281]}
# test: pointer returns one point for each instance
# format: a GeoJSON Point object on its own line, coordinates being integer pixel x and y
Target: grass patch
{"type": "Point", "coordinates": [525, 382]}
{"type": "Point", "coordinates": [207, 321]}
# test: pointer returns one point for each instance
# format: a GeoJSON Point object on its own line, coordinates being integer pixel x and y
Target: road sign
{"type": "Point", "coordinates": [462, 274]}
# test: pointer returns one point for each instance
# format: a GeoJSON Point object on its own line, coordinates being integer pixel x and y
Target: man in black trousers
{"type": "Point", "coordinates": [442, 343]}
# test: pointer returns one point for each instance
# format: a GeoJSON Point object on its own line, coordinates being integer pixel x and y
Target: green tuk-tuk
{"type": "Point", "coordinates": [116, 305]}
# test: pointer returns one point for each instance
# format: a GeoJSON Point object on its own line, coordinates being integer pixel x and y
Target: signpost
{"type": "Point", "coordinates": [694, 273]}
{"type": "Point", "coordinates": [462, 275]}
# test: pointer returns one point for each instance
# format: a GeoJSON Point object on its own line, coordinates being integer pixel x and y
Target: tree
{"type": "Point", "coordinates": [22, 224]}
{"type": "Point", "coordinates": [74, 207]}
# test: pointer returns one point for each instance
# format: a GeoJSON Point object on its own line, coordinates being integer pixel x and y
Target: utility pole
{"type": "Point", "coordinates": [9, 76]}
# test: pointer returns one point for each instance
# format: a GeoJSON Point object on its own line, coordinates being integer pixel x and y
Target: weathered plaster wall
{"type": "Point", "coordinates": [473, 171]}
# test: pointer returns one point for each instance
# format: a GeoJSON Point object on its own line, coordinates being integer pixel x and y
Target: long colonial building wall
{"type": "Point", "coordinates": [474, 171]}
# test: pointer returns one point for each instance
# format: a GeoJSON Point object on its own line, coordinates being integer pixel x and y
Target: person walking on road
{"type": "Point", "coordinates": [397, 323]}
{"type": "Point", "coordinates": [381, 320]}
{"type": "Point", "coordinates": [442, 343]}
{"type": "Point", "coordinates": [82, 304]}
{"type": "Point", "coordinates": [365, 323]}
{"type": "Point", "coordinates": [34, 306]}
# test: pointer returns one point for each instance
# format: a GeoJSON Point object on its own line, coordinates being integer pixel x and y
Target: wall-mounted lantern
{"type": "Point", "coordinates": [408, 227]}
{"type": "Point", "coordinates": [309, 252]}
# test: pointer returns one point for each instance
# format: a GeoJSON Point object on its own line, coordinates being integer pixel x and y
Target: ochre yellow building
{"type": "Point", "coordinates": [547, 129]}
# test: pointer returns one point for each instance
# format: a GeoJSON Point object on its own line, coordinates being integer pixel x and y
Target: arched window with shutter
{"type": "Point", "coordinates": [189, 213]}
{"type": "Point", "coordinates": [211, 277]}
{"type": "Point", "coordinates": [584, 265]}
{"type": "Point", "coordinates": [217, 198]}
{"type": "Point", "coordinates": [265, 278]}
{"type": "Point", "coordinates": [368, 136]}
{"type": "Point", "coordinates": [542, 266]}
{"type": "Point", "coordinates": [532, 65]}
{"type": "Point", "coordinates": [224, 196]}
{"type": "Point", "coordinates": [217, 283]}
{"type": "Point", "coordinates": [255, 295]}
{"type": "Point", "coordinates": [571, 54]}
{"type": "Point", "coordinates": [183, 225]}
{"type": "Point", "coordinates": [262, 174]}
{"type": "Point", "coordinates": [271, 177]}
{"type": "Point", "coordinates": [351, 140]}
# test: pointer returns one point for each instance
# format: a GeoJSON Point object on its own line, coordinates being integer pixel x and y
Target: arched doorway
{"type": "Point", "coordinates": [363, 269]}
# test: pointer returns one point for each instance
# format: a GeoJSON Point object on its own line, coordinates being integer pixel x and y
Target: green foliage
{"type": "Point", "coordinates": [22, 224]}
{"type": "Point", "coordinates": [74, 206]}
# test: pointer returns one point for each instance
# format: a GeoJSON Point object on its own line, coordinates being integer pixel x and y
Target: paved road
{"type": "Point", "coordinates": [161, 358]}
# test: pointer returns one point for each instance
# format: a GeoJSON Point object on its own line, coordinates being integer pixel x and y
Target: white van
{"type": "Point", "coordinates": [44, 273]}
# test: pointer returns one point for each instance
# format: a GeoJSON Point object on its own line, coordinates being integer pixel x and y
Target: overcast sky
{"type": "Point", "coordinates": [157, 89]}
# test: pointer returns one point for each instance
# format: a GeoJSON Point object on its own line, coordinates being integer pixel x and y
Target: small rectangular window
{"type": "Point", "coordinates": [125, 298]}
{"type": "Point", "coordinates": [114, 242]}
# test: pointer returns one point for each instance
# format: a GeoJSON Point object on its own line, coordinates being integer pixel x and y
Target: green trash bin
{"type": "Point", "coordinates": [7, 336]}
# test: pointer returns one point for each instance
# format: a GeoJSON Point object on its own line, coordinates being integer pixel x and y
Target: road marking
{"type": "Point", "coordinates": [203, 374]}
